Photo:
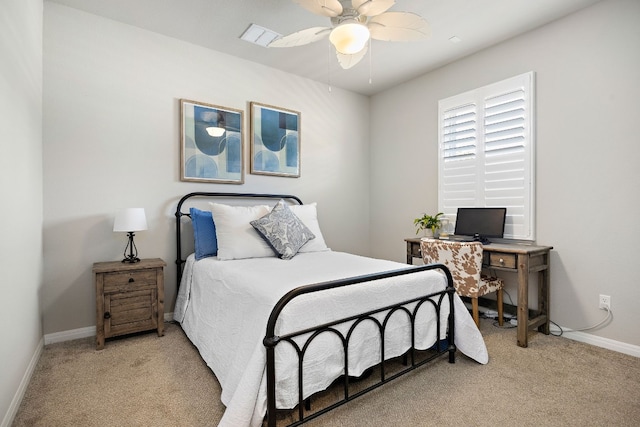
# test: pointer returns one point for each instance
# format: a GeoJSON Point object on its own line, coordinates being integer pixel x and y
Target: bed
{"type": "Point", "coordinates": [278, 329]}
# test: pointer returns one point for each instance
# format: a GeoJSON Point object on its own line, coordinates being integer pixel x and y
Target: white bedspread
{"type": "Point", "coordinates": [223, 307]}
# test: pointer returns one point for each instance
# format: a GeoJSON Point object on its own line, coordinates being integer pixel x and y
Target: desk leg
{"type": "Point", "coordinates": [523, 299]}
{"type": "Point", "coordinates": [543, 298]}
{"type": "Point", "coordinates": [410, 251]}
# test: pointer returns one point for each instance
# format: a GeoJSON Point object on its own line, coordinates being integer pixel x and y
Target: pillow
{"type": "Point", "coordinates": [309, 216]}
{"type": "Point", "coordinates": [237, 239]}
{"type": "Point", "coordinates": [283, 230]}
{"type": "Point", "coordinates": [204, 233]}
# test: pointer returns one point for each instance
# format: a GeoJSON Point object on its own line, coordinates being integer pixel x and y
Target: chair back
{"type": "Point", "coordinates": [463, 259]}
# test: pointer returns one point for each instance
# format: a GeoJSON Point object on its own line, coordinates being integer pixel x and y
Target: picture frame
{"type": "Point", "coordinates": [211, 143]}
{"type": "Point", "coordinates": [275, 140]}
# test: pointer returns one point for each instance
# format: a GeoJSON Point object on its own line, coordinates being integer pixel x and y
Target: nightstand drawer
{"type": "Point", "coordinates": [129, 280]}
{"type": "Point", "coordinates": [498, 259]}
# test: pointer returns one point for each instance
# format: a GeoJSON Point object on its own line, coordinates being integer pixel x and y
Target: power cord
{"type": "Point", "coordinates": [494, 316]}
{"type": "Point", "coordinates": [607, 317]}
{"type": "Point", "coordinates": [505, 325]}
{"type": "Point", "coordinates": [510, 300]}
{"type": "Point", "coordinates": [559, 328]}
{"type": "Point", "coordinates": [600, 323]}
{"type": "Point", "coordinates": [509, 325]}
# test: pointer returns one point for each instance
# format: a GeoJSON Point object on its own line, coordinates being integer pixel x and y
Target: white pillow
{"type": "Point", "coordinates": [236, 237]}
{"type": "Point", "coordinates": [308, 214]}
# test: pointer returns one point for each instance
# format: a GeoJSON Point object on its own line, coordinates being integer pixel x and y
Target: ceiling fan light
{"type": "Point", "coordinates": [349, 38]}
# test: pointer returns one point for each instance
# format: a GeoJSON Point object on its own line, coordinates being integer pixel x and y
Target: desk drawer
{"type": "Point", "coordinates": [498, 259]}
{"type": "Point", "coordinates": [130, 280]}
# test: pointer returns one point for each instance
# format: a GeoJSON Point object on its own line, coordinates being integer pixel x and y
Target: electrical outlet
{"type": "Point", "coordinates": [604, 302]}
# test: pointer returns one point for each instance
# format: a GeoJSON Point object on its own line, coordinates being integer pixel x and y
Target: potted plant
{"type": "Point", "coordinates": [428, 223]}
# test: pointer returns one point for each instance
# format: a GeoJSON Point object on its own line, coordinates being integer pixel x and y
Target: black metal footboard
{"type": "Point", "coordinates": [271, 340]}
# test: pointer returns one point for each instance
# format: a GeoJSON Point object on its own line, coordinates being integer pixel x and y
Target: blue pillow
{"type": "Point", "coordinates": [204, 233]}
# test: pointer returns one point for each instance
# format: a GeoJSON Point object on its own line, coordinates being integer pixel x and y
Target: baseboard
{"type": "Point", "coordinates": [89, 331]}
{"type": "Point", "coordinates": [74, 334]}
{"type": "Point", "coordinates": [24, 383]}
{"type": "Point", "coordinates": [620, 347]}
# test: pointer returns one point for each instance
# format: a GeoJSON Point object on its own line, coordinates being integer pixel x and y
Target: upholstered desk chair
{"type": "Point", "coordinates": [464, 260]}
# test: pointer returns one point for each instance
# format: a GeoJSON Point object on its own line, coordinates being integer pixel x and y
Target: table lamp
{"type": "Point", "coordinates": [130, 220]}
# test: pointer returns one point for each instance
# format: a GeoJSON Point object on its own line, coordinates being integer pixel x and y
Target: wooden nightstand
{"type": "Point", "coordinates": [129, 298]}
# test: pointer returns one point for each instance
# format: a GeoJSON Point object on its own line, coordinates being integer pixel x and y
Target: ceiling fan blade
{"type": "Point", "coordinates": [331, 8]}
{"type": "Point", "coordinates": [398, 26]}
{"type": "Point", "coordinates": [348, 61]}
{"type": "Point", "coordinates": [372, 7]}
{"type": "Point", "coordinates": [302, 37]}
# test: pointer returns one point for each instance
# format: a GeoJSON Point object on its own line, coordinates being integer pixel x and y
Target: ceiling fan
{"type": "Point", "coordinates": [353, 24]}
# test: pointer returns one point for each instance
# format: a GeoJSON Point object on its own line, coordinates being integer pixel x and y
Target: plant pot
{"type": "Point", "coordinates": [427, 232]}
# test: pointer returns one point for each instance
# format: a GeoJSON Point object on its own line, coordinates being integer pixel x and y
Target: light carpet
{"type": "Point", "coordinates": [144, 380]}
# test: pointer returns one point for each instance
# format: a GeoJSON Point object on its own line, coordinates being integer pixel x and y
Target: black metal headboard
{"type": "Point", "coordinates": [179, 214]}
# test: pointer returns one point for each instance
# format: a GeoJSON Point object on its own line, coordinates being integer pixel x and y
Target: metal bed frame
{"type": "Point", "coordinates": [271, 340]}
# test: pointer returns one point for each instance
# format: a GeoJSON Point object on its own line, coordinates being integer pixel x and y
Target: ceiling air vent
{"type": "Point", "coordinates": [259, 35]}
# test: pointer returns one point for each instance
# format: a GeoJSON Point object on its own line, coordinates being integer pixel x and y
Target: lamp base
{"type": "Point", "coordinates": [132, 256]}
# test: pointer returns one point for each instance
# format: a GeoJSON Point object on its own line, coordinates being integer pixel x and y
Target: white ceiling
{"type": "Point", "coordinates": [218, 24]}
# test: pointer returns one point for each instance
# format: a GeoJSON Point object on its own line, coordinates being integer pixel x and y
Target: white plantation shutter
{"type": "Point", "coordinates": [486, 152]}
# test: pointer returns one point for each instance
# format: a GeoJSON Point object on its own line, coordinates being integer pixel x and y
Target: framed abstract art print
{"type": "Point", "coordinates": [275, 141]}
{"type": "Point", "coordinates": [211, 143]}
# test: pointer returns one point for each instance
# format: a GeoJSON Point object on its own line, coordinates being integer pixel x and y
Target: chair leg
{"type": "Point", "coordinates": [500, 307]}
{"type": "Point", "coordinates": [475, 311]}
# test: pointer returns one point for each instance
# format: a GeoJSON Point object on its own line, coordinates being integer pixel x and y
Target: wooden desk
{"type": "Point", "coordinates": [522, 259]}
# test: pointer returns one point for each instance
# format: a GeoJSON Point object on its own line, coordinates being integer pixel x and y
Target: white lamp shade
{"type": "Point", "coordinates": [130, 219]}
{"type": "Point", "coordinates": [349, 37]}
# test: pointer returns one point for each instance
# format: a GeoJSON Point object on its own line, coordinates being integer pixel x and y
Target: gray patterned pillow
{"type": "Point", "coordinates": [283, 231]}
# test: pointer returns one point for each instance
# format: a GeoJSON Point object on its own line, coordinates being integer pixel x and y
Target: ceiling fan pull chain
{"type": "Point", "coordinates": [330, 52]}
{"type": "Point", "coordinates": [370, 66]}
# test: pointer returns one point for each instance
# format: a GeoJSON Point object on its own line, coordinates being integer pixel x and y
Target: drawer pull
{"type": "Point", "coordinates": [107, 315]}
{"type": "Point", "coordinates": [501, 261]}
{"type": "Point", "coordinates": [131, 280]}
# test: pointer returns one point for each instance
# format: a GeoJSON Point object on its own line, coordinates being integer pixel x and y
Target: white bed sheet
{"type": "Point", "coordinates": [223, 307]}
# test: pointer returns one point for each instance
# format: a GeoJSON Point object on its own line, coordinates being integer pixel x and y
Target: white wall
{"type": "Point", "coordinates": [588, 104]}
{"type": "Point", "coordinates": [21, 195]}
{"type": "Point", "coordinates": [111, 140]}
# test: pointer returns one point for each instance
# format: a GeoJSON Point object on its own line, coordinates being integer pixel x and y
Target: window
{"type": "Point", "coordinates": [486, 152]}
